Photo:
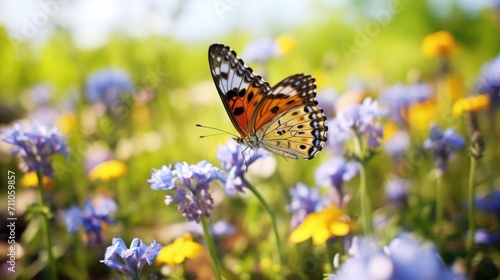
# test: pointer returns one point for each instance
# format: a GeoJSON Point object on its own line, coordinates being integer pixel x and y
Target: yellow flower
{"type": "Point", "coordinates": [389, 130]}
{"type": "Point", "coordinates": [420, 115]}
{"type": "Point", "coordinates": [471, 104]}
{"type": "Point", "coordinates": [30, 180]}
{"type": "Point", "coordinates": [322, 225]}
{"type": "Point", "coordinates": [182, 248]}
{"type": "Point", "coordinates": [440, 43]}
{"type": "Point", "coordinates": [286, 43]}
{"type": "Point", "coordinates": [66, 122]}
{"type": "Point", "coordinates": [108, 170]}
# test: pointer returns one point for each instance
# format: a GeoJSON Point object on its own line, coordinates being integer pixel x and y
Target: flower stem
{"type": "Point", "coordinates": [364, 194]}
{"type": "Point", "coordinates": [211, 247]}
{"type": "Point", "coordinates": [273, 222]}
{"type": "Point", "coordinates": [46, 228]}
{"type": "Point", "coordinates": [439, 207]}
{"type": "Point", "coordinates": [472, 212]}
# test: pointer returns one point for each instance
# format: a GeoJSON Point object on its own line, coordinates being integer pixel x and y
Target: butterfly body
{"type": "Point", "coordinates": [283, 119]}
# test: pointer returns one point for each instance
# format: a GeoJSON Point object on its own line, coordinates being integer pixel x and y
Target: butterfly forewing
{"type": "Point", "coordinates": [284, 119]}
{"type": "Point", "coordinates": [239, 89]}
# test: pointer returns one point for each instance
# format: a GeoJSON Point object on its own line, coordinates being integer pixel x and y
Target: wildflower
{"type": "Point", "coordinates": [489, 79]}
{"type": "Point", "coordinates": [305, 200]}
{"type": "Point", "coordinates": [30, 180]}
{"type": "Point", "coordinates": [95, 155]}
{"type": "Point", "coordinates": [399, 97]}
{"type": "Point", "coordinates": [396, 141]}
{"type": "Point", "coordinates": [335, 172]}
{"type": "Point", "coordinates": [262, 50]}
{"type": "Point", "coordinates": [471, 104]}
{"type": "Point", "coordinates": [131, 260]}
{"type": "Point", "coordinates": [404, 258]}
{"type": "Point", "coordinates": [106, 86]}
{"type": "Point", "coordinates": [35, 146]}
{"type": "Point", "coordinates": [191, 183]}
{"type": "Point", "coordinates": [91, 218]}
{"type": "Point", "coordinates": [440, 43]}
{"type": "Point", "coordinates": [357, 120]}
{"type": "Point", "coordinates": [443, 144]}
{"type": "Point", "coordinates": [108, 170]}
{"type": "Point", "coordinates": [489, 202]}
{"type": "Point", "coordinates": [235, 164]}
{"type": "Point", "coordinates": [421, 114]}
{"type": "Point", "coordinates": [396, 190]}
{"type": "Point", "coordinates": [484, 237]}
{"type": "Point", "coordinates": [322, 225]}
{"type": "Point", "coordinates": [182, 248]}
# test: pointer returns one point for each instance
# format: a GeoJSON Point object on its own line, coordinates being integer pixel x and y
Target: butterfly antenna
{"type": "Point", "coordinates": [243, 155]}
{"type": "Point", "coordinates": [218, 129]}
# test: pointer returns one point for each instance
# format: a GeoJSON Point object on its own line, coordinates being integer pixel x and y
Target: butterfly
{"type": "Point", "coordinates": [284, 119]}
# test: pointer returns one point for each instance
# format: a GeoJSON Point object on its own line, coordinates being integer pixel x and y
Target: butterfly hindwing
{"type": "Point", "coordinates": [300, 131]}
{"type": "Point", "coordinates": [239, 89]}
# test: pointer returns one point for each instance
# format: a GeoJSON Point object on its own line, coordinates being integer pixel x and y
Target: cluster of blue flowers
{"type": "Point", "coordinates": [443, 144]}
{"type": "Point", "coordinates": [490, 80]}
{"type": "Point", "coordinates": [399, 97]}
{"type": "Point", "coordinates": [130, 261]}
{"type": "Point", "coordinates": [91, 217]}
{"type": "Point", "coordinates": [107, 86]}
{"type": "Point", "coordinates": [35, 146]}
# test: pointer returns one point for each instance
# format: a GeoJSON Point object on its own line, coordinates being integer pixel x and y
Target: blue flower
{"type": "Point", "coordinates": [191, 185]}
{"type": "Point", "coordinates": [489, 203]}
{"type": "Point", "coordinates": [358, 120]}
{"type": "Point", "coordinates": [35, 146]}
{"type": "Point", "coordinates": [260, 50]}
{"type": "Point", "coordinates": [305, 200]}
{"type": "Point", "coordinates": [443, 144]}
{"type": "Point", "coordinates": [334, 172]}
{"type": "Point", "coordinates": [404, 258]}
{"type": "Point", "coordinates": [91, 218]}
{"type": "Point", "coordinates": [490, 79]}
{"type": "Point", "coordinates": [235, 164]}
{"type": "Point", "coordinates": [484, 237]}
{"type": "Point", "coordinates": [399, 97]}
{"type": "Point", "coordinates": [107, 86]}
{"type": "Point", "coordinates": [131, 260]}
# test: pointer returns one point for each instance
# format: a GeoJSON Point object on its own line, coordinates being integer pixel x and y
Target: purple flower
{"type": "Point", "coordinates": [399, 97]}
{"type": "Point", "coordinates": [404, 258]}
{"type": "Point", "coordinates": [484, 237]}
{"type": "Point", "coordinates": [358, 120]}
{"type": "Point", "coordinates": [305, 200]}
{"type": "Point", "coordinates": [398, 144]}
{"type": "Point", "coordinates": [191, 186]}
{"type": "Point", "coordinates": [334, 172]}
{"type": "Point", "coordinates": [260, 50]}
{"type": "Point", "coordinates": [35, 146]}
{"type": "Point", "coordinates": [106, 86]}
{"type": "Point", "coordinates": [490, 79]}
{"type": "Point", "coordinates": [131, 260]}
{"type": "Point", "coordinates": [91, 218]}
{"type": "Point", "coordinates": [235, 164]}
{"type": "Point", "coordinates": [443, 144]}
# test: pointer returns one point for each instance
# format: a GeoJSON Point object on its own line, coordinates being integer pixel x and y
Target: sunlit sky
{"type": "Point", "coordinates": [91, 21]}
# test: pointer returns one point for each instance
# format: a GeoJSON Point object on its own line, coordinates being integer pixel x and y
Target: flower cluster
{"type": "Point", "coordinates": [443, 144]}
{"type": "Point", "coordinates": [130, 261]}
{"type": "Point", "coordinates": [35, 146]}
{"type": "Point", "coordinates": [399, 97]}
{"type": "Point", "coordinates": [358, 120]}
{"type": "Point", "coordinates": [335, 172]}
{"type": "Point", "coordinates": [91, 218]}
{"type": "Point", "coordinates": [232, 160]}
{"type": "Point", "coordinates": [106, 86]}
{"type": "Point", "coordinates": [305, 200]}
{"type": "Point", "coordinates": [191, 184]}
{"type": "Point", "coordinates": [404, 258]}
{"type": "Point", "coordinates": [490, 79]}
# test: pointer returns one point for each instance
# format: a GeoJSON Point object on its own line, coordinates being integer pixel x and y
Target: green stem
{"type": "Point", "coordinates": [472, 212]}
{"type": "Point", "coordinates": [439, 207]}
{"type": "Point", "coordinates": [273, 222]}
{"type": "Point", "coordinates": [46, 227]}
{"type": "Point", "coordinates": [211, 247]}
{"type": "Point", "coordinates": [364, 193]}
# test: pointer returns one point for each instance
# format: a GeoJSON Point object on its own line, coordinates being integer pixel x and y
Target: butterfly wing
{"type": "Point", "coordinates": [240, 90]}
{"type": "Point", "coordinates": [288, 121]}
